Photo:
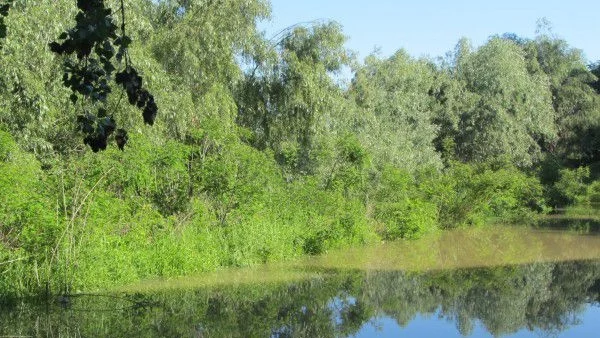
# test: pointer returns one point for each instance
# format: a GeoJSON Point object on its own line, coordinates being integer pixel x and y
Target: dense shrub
{"type": "Point", "coordinates": [571, 187]}
{"type": "Point", "coordinates": [471, 194]}
{"type": "Point", "coordinates": [401, 208]}
{"type": "Point", "coordinates": [28, 224]}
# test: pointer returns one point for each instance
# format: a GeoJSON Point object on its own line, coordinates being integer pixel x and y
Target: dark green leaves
{"type": "Point", "coordinates": [94, 26]}
{"type": "Point", "coordinates": [132, 83]}
{"type": "Point", "coordinates": [4, 7]}
{"type": "Point", "coordinates": [93, 41]}
{"type": "Point", "coordinates": [88, 79]}
{"type": "Point", "coordinates": [123, 43]}
{"type": "Point", "coordinates": [121, 138]}
{"type": "Point", "coordinates": [98, 128]}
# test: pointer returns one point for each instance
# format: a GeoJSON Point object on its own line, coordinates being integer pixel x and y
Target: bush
{"type": "Point", "coordinates": [571, 187]}
{"type": "Point", "coordinates": [28, 227]}
{"type": "Point", "coordinates": [472, 194]}
{"type": "Point", "coordinates": [402, 208]}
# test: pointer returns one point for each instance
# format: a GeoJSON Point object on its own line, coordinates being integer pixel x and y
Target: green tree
{"type": "Point", "coordinates": [575, 102]}
{"type": "Point", "coordinates": [289, 101]}
{"type": "Point", "coordinates": [395, 111]}
{"type": "Point", "coordinates": [513, 114]}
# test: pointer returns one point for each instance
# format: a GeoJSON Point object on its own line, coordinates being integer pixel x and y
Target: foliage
{"type": "Point", "coordinates": [88, 74]}
{"type": "Point", "coordinates": [402, 208]}
{"type": "Point", "coordinates": [514, 111]}
{"type": "Point", "coordinates": [395, 111]}
{"type": "Point", "coordinates": [575, 102]}
{"type": "Point", "coordinates": [471, 194]}
{"type": "Point", "coordinates": [288, 102]}
{"type": "Point", "coordinates": [4, 7]}
{"type": "Point", "coordinates": [571, 187]}
{"type": "Point", "coordinates": [259, 154]}
{"type": "Point", "coordinates": [27, 221]}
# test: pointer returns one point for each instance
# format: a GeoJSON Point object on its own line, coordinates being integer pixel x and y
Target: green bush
{"type": "Point", "coordinates": [472, 194]}
{"type": "Point", "coordinates": [28, 224]}
{"type": "Point", "coordinates": [593, 194]}
{"type": "Point", "coordinates": [323, 219]}
{"type": "Point", "coordinates": [571, 187]}
{"type": "Point", "coordinates": [403, 210]}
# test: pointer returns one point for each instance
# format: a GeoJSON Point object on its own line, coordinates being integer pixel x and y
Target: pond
{"type": "Point", "coordinates": [494, 281]}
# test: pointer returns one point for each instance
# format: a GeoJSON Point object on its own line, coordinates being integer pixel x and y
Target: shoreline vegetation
{"type": "Point", "coordinates": [258, 155]}
{"type": "Point", "coordinates": [489, 247]}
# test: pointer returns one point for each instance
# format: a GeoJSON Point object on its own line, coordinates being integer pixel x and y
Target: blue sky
{"type": "Point", "coordinates": [431, 28]}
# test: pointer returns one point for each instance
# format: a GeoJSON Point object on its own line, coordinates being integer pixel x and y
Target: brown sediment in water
{"type": "Point", "coordinates": [451, 249]}
{"type": "Point", "coordinates": [468, 248]}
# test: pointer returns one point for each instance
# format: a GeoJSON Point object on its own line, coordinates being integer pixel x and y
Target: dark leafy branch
{"type": "Point", "coordinates": [89, 69]}
{"type": "Point", "coordinates": [4, 7]}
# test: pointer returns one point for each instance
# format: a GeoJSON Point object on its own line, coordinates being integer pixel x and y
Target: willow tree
{"type": "Point", "coordinates": [288, 99]}
{"type": "Point", "coordinates": [396, 110]}
{"type": "Point", "coordinates": [513, 114]}
{"type": "Point", "coordinates": [574, 99]}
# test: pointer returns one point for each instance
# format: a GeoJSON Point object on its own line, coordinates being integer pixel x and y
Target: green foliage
{"type": "Point", "coordinates": [395, 111]}
{"type": "Point", "coordinates": [571, 187]}
{"type": "Point", "coordinates": [574, 100]}
{"type": "Point", "coordinates": [514, 111]}
{"type": "Point", "coordinates": [402, 208]}
{"type": "Point", "coordinates": [259, 155]}
{"type": "Point", "coordinates": [237, 176]}
{"type": "Point", "coordinates": [28, 226]}
{"type": "Point", "coordinates": [472, 194]}
{"type": "Point", "coordinates": [197, 41]}
{"type": "Point", "coordinates": [325, 219]}
{"type": "Point", "coordinates": [289, 101]}
{"type": "Point", "coordinates": [593, 194]}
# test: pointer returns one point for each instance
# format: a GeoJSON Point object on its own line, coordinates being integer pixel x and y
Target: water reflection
{"type": "Point", "coordinates": [473, 247]}
{"type": "Point", "coordinates": [541, 297]}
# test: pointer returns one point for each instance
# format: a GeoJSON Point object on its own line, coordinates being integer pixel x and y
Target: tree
{"type": "Point", "coordinates": [574, 100]}
{"type": "Point", "coordinates": [513, 115]}
{"type": "Point", "coordinates": [395, 110]}
{"type": "Point", "coordinates": [287, 101]}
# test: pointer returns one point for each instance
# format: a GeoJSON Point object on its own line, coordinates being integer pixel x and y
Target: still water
{"type": "Point", "coordinates": [491, 282]}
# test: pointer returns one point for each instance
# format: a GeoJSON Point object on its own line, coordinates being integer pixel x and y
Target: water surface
{"type": "Point", "coordinates": [499, 281]}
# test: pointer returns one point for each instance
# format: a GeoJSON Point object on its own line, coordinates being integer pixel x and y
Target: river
{"type": "Point", "coordinates": [498, 281]}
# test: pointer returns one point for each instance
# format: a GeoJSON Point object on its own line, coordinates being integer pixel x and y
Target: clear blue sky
{"type": "Point", "coordinates": [433, 27]}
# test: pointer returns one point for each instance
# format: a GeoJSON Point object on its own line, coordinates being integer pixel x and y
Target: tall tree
{"type": "Point", "coordinates": [396, 110]}
{"type": "Point", "coordinates": [286, 101]}
{"type": "Point", "coordinates": [513, 115]}
{"type": "Point", "coordinates": [575, 102]}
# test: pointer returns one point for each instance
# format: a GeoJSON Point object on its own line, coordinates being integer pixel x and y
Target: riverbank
{"type": "Point", "coordinates": [95, 222]}
{"type": "Point", "coordinates": [467, 248]}
{"type": "Point", "coordinates": [499, 279]}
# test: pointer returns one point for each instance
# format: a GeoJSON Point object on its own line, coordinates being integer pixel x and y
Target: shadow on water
{"type": "Point", "coordinates": [586, 225]}
{"type": "Point", "coordinates": [498, 281]}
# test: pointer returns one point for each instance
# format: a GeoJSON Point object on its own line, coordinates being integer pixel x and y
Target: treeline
{"type": "Point", "coordinates": [258, 154]}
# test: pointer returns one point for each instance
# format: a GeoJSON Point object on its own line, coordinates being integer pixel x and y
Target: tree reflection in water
{"type": "Point", "coordinates": [547, 297]}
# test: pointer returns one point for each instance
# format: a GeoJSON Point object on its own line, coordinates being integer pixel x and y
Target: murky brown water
{"type": "Point", "coordinates": [467, 248]}
{"type": "Point", "coordinates": [445, 250]}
